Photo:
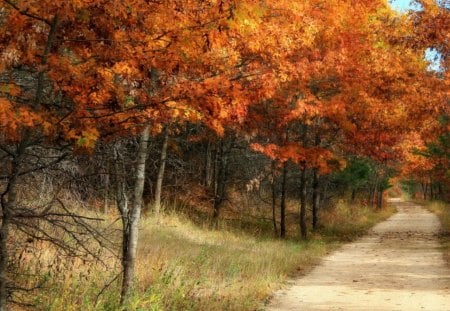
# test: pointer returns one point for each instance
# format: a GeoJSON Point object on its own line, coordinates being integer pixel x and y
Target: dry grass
{"type": "Point", "coordinates": [183, 266]}
{"type": "Point", "coordinates": [442, 210]}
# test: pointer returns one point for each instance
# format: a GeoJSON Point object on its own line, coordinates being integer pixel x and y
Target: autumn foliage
{"type": "Point", "coordinates": [308, 83]}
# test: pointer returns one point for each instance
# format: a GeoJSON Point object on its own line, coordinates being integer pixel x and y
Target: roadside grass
{"type": "Point", "coordinates": [347, 222]}
{"type": "Point", "coordinates": [184, 266]}
{"type": "Point", "coordinates": [442, 210]}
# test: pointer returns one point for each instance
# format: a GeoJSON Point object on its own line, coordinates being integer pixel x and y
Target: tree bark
{"type": "Point", "coordinates": [283, 202]}
{"type": "Point", "coordinates": [303, 228]}
{"type": "Point", "coordinates": [315, 186]}
{"type": "Point", "coordinates": [371, 194]}
{"type": "Point", "coordinates": [106, 190]}
{"type": "Point", "coordinates": [220, 183]}
{"type": "Point", "coordinates": [131, 232]}
{"type": "Point", "coordinates": [51, 38]}
{"type": "Point", "coordinates": [353, 196]}
{"type": "Point", "coordinates": [431, 190]}
{"type": "Point", "coordinates": [221, 178]}
{"type": "Point", "coordinates": [374, 199]}
{"type": "Point", "coordinates": [424, 190]}
{"type": "Point", "coordinates": [8, 202]}
{"type": "Point", "coordinates": [315, 199]}
{"type": "Point", "coordinates": [159, 180]}
{"type": "Point", "coordinates": [208, 166]}
{"type": "Point", "coordinates": [380, 198]}
{"type": "Point", "coordinates": [274, 200]}
{"type": "Point", "coordinates": [4, 232]}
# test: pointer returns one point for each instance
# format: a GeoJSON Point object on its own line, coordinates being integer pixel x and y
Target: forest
{"type": "Point", "coordinates": [143, 140]}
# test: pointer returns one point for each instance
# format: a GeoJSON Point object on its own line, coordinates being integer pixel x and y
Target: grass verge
{"type": "Point", "coordinates": [442, 210]}
{"type": "Point", "coordinates": [182, 266]}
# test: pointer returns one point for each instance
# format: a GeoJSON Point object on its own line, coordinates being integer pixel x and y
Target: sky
{"type": "Point", "coordinates": [431, 55]}
{"type": "Point", "coordinates": [403, 5]}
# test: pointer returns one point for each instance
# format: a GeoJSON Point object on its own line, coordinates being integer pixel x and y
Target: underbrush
{"type": "Point", "coordinates": [442, 210]}
{"type": "Point", "coordinates": [347, 222]}
{"type": "Point", "coordinates": [184, 266]}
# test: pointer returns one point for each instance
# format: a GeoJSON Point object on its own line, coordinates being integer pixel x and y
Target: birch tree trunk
{"type": "Point", "coordinates": [131, 229]}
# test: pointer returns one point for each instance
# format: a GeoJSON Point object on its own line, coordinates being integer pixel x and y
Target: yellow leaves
{"type": "Point", "coordinates": [85, 138]}
{"type": "Point", "coordinates": [182, 111]}
{"type": "Point", "coordinates": [309, 34]}
{"type": "Point", "coordinates": [126, 68]}
{"type": "Point", "coordinates": [106, 74]}
{"type": "Point", "coordinates": [88, 138]}
{"type": "Point", "coordinates": [217, 126]}
{"type": "Point", "coordinates": [246, 17]}
{"type": "Point", "coordinates": [99, 97]}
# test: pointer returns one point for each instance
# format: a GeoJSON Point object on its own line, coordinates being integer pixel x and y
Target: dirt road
{"type": "Point", "coordinates": [397, 266]}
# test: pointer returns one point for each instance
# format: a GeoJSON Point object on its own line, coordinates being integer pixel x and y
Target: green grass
{"type": "Point", "coordinates": [442, 210]}
{"type": "Point", "coordinates": [183, 266]}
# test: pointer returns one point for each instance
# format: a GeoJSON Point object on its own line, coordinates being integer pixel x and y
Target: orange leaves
{"type": "Point", "coordinates": [338, 66]}
{"type": "Point", "coordinates": [312, 157]}
{"type": "Point", "coordinates": [10, 89]}
{"type": "Point", "coordinates": [14, 119]}
{"type": "Point", "coordinates": [126, 68]}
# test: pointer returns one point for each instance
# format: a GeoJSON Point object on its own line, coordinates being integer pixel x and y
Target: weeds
{"type": "Point", "coordinates": [183, 266]}
{"type": "Point", "coordinates": [442, 210]}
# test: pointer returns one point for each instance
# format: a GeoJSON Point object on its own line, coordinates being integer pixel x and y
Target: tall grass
{"type": "Point", "coordinates": [442, 210]}
{"type": "Point", "coordinates": [183, 266]}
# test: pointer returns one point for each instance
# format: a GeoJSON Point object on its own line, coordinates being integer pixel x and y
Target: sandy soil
{"type": "Point", "coordinates": [397, 266]}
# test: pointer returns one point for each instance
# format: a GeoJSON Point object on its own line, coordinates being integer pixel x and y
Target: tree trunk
{"type": "Point", "coordinates": [8, 202]}
{"type": "Point", "coordinates": [4, 231]}
{"type": "Point", "coordinates": [424, 190]}
{"type": "Point", "coordinates": [106, 191]}
{"type": "Point", "coordinates": [315, 199]}
{"type": "Point", "coordinates": [380, 198]}
{"type": "Point", "coordinates": [159, 180]}
{"type": "Point", "coordinates": [221, 178]}
{"type": "Point", "coordinates": [303, 228]}
{"type": "Point", "coordinates": [431, 190]}
{"type": "Point", "coordinates": [220, 182]}
{"type": "Point", "coordinates": [209, 166]}
{"type": "Point", "coordinates": [352, 199]}
{"type": "Point", "coordinates": [274, 200]}
{"type": "Point", "coordinates": [375, 192]}
{"type": "Point", "coordinates": [371, 194]}
{"type": "Point", "coordinates": [283, 202]}
{"type": "Point", "coordinates": [132, 228]}
{"type": "Point", "coordinates": [315, 184]}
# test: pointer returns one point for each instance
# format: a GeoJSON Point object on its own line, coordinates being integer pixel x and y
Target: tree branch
{"type": "Point", "coordinates": [26, 13]}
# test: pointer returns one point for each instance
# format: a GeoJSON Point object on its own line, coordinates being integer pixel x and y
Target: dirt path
{"type": "Point", "coordinates": [397, 266]}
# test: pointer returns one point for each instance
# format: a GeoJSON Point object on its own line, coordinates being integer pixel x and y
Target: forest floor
{"type": "Point", "coordinates": [398, 265]}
